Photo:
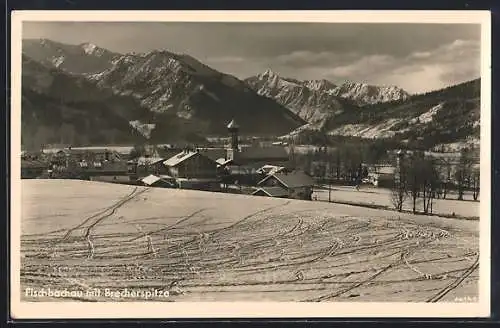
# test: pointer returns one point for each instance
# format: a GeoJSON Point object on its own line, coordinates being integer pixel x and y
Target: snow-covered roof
{"type": "Point", "coordinates": [149, 160]}
{"type": "Point", "coordinates": [179, 158]}
{"type": "Point", "coordinates": [223, 162]}
{"type": "Point", "coordinates": [150, 179]}
{"type": "Point", "coordinates": [270, 169]}
{"type": "Point", "coordinates": [292, 180]}
{"type": "Point", "coordinates": [233, 125]}
{"type": "Point", "coordinates": [272, 191]}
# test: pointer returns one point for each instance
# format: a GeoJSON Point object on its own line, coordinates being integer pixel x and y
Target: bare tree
{"type": "Point", "coordinates": [430, 182]}
{"type": "Point", "coordinates": [415, 181]}
{"type": "Point", "coordinates": [308, 157]}
{"type": "Point", "coordinates": [446, 179]}
{"type": "Point", "coordinates": [463, 172]}
{"type": "Point", "coordinates": [399, 191]}
{"type": "Point", "coordinates": [475, 183]}
{"type": "Point", "coordinates": [291, 152]}
{"type": "Point", "coordinates": [337, 160]}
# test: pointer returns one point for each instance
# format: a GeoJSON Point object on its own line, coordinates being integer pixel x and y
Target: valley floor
{"type": "Point", "coordinates": [202, 246]}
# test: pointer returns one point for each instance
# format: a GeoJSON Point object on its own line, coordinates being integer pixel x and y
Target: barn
{"type": "Point", "coordinates": [275, 191]}
{"type": "Point", "coordinates": [297, 184]}
{"type": "Point", "coordinates": [191, 164]}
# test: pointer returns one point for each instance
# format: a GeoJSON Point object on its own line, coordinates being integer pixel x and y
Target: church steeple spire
{"type": "Point", "coordinates": [233, 128]}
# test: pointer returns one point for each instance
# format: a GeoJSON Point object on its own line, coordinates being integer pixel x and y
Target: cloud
{"type": "Point", "coordinates": [307, 58]}
{"type": "Point", "coordinates": [367, 65]}
{"type": "Point", "coordinates": [420, 71]}
{"type": "Point", "coordinates": [225, 60]}
{"type": "Point", "coordinates": [419, 55]}
{"type": "Point", "coordinates": [416, 57]}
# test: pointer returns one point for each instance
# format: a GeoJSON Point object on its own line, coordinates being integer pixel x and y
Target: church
{"type": "Point", "coordinates": [249, 159]}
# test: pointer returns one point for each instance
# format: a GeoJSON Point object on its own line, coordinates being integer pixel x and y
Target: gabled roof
{"type": "Point", "coordinates": [270, 169]}
{"type": "Point", "coordinates": [152, 179]}
{"type": "Point", "coordinates": [179, 158]}
{"type": "Point", "coordinates": [149, 160]}
{"type": "Point", "coordinates": [272, 191]}
{"type": "Point", "coordinates": [223, 162]}
{"type": "Point", "coordinates": [291, 180]}
{"type": "Point", "coordinates": [233, 125]}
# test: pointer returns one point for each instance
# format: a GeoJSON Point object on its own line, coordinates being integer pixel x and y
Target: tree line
{"type": "Point", "coordinates": [426, 178]}
{"type": "Point", "coordinates": [345, 162]}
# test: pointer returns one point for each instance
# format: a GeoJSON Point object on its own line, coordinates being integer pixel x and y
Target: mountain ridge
{"type": "Point", "coordinates": [182, 95]}
{"type": "Point", "coordinates": [165, 95]}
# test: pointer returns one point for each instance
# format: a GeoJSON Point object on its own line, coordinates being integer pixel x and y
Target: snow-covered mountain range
{"type": "Point", "coordinates": [318, 101]}
{"type": "Point", "coordinates": [74, 59]}
{"type": "Point", "coordinates": [183, 96]}
{"type": "Point", "coordinates": [162, 95]}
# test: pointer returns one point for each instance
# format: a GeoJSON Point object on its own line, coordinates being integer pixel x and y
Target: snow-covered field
{"type": "Point", "coordinates": [368, 195]}
{"type": "Point", "coordinates": [202, 246]}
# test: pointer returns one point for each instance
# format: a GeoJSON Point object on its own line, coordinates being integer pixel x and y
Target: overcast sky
{"type": "Point", "coordinates": [416, 57]}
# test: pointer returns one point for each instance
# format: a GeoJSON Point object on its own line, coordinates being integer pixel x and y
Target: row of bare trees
{"type": "Point", "coordinates": [341, 163]}
{"type": "Point", "coordinates": [422, 179]}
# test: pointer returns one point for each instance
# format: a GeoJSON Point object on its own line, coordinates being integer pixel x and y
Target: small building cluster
{"type": "Point", "coordinates": [241, 169]}
{"type": "Point", "coordinates": [32, 166]}
{"type": "Point", "coordinates": [254, 169]}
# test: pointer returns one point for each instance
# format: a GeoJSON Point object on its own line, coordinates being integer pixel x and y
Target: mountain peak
{"type": "Point", "coordinates": [92, 49]}
{"type": "Point", "coordinates": [319, 85]}
{"type": "Point", "coordinates": [88, 47]}
{"type": "Point", "coordinates": [269, 74]}
{"type": "Point", "coordinates": [364, 93]}
{"type": "Point", "coordinates": [349, 83]}
{"type": "Point", "coordinates": [83, 58]}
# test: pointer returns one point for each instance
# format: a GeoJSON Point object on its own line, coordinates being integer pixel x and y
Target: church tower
{"type": "Point", "coordinates": [233, 129]}
{"type": "Point", "coordinates": [232, 152]}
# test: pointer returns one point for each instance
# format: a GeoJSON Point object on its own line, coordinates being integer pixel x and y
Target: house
{"type": "Point", "coordinates": [150, 165]}
{"type": "Point", "coordinates": [270, 169]}
{"type": "Point", "coordinates": [193, 170]}
{"type": "Point", "coordinates": [276, 191]}
{"type": "Point", "coordinates": [222, 162]}
{"type": "Point", "coordinates": [191, 164]}
{"type": "Point", "coordinates": [381, 175]}
{"type": "Point", "coordinates": [158, 181]}
{"type": "Point", "coordinates": [89, 154]}
{"type": "Point", "coordinates": [32, 168]}
{"type": "Point", "coordinates": [297, 184]}
{"type": "Point", "coordinates": [86, 163]}
{"type": "Point", "coordinates": [102, 171]}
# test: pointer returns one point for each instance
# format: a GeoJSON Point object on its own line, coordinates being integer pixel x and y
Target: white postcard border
{"type": "Point", "coordinates": [47, 310]}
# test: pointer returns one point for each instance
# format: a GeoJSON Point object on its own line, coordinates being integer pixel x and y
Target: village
{"type": "Point", "coordinates": [256, 170]}
{"type": "Point", "coordinates": [261, 169]}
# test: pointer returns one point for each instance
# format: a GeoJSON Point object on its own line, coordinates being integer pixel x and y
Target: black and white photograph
{"type": "Point", "coordinates": [160, 160]}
